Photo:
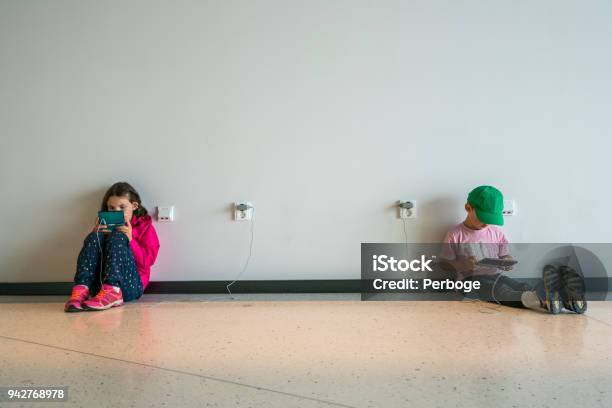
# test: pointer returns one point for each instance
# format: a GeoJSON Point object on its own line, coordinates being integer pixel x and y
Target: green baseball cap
{"type": "Point", "coordinates": [488, 203]}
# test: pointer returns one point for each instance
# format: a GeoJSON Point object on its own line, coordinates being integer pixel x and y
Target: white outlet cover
{"type": "Point", "coordinates": [509, 208]}
{"type": "Point", "coordinates": [246, 215]}
{"type": "Point", "coordinates": [165, 213]}
{"type": "Point", "coordinates": [407, 214]}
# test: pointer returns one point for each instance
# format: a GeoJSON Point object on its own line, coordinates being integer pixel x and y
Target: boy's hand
{"type": "Point", "coordinates": [126, 229]}
{"type": "Point", "coordinates": [506, 268]}
{"type": "Point", "coordinates": [100, 228]}
{"type": "Point", "coordinates": [468, 264]}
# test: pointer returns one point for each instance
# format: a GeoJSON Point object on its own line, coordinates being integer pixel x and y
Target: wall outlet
{"type": "Point", "coordinates": [509, 208]}
{"type": "Point", "coordinates": [165, 214]}
{"type": "Point", "coordinates": [407, 213]}
{"type": "Point", "coordinates": [243, 211]}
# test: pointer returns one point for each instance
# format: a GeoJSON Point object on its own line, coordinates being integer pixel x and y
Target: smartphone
{"type": "Point", "coordinates": [111, 219]}
{"type": "Point", "coordinates": [496, 262]}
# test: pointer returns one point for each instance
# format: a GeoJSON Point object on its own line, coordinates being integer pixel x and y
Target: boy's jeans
{"type": "Point", "coordinates": [501, 289]}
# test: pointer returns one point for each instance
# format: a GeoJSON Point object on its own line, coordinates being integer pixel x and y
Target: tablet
{"type": "Point", "coordinates": [496, 262]}
{"type": "Point", "coordinates": [111, 219]}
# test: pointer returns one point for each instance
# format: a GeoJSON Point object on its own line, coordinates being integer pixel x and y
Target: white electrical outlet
{"type": "Point", "coordinates": [408, 213]}
{"type": "Point", "coordinates": [165, 214]}
{"type": "Point", "coordinates": [509, 208]}
{"type": "Point", "coordinates": [245, 214]}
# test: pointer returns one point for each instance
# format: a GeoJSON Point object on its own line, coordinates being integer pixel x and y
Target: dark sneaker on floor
{"type": "Point", "coordinates": [549, 290]}
{"type": "Point", "coordinates": [573, 290]}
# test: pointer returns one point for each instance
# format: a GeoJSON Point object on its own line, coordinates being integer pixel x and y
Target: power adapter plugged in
{"type": "Point", "coordinates": [407, 209]}
{"type": "Point", "coordinates": [243, 211]}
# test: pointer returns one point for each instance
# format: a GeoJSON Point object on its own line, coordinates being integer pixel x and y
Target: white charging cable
{"type": "Point", "coordinates": [493, 288]}
{"type": "Point", "coordinates": [101, 252]}
{"type": "Point", "coordinates": [405, 236]}
{"type": "Point", "coordinates": [244, 268]}
{"type": "Point", "coordinates": [489, 310]}
{"type": "Point", "coordinates": [246, 264]}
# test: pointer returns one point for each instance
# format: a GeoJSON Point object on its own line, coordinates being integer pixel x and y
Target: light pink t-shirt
{"type": "Point", "coordinates": [462, 242]}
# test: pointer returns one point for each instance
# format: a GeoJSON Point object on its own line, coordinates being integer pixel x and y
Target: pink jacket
{"type": "Point", "coordinates": [145, 246]}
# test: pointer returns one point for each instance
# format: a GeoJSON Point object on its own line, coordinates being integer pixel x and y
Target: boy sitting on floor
{"type": "Point", "coordinates": [478, 237]}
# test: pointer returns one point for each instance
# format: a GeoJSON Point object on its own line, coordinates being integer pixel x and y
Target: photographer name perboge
{"type": "Point", "coordinates": [424, 284]}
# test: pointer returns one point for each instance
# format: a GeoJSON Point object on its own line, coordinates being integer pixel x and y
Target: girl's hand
{"type": "Point", "coordinates": [100, 228]}
{"type": "Point", "coordinates": [126, 229]}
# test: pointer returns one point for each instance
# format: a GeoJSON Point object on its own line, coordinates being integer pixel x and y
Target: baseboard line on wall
{"type": "Point", "coordinates": [247, 286]}
{"type": "Point", "coordinates": [193, 287]}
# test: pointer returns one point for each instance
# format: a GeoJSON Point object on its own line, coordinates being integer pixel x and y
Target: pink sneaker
{"type": "Point", "coordinates": [78, 295]}
{"type": "Point", "coordinates": [109, 296]}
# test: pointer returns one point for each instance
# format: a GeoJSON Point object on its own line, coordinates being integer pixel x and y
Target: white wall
{"type": "Point", "coordinates": [322, 113]}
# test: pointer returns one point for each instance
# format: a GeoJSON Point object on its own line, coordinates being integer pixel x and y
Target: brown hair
{"type": "Point", "coordinates": [123, 189]}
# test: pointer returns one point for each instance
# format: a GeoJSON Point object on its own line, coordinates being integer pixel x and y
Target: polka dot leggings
{"type": "Point", "coordinates": [118, 263]}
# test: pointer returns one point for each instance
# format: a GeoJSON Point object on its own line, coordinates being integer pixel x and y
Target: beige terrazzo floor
{"type": "Point", "coordinates": [306, 351]}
